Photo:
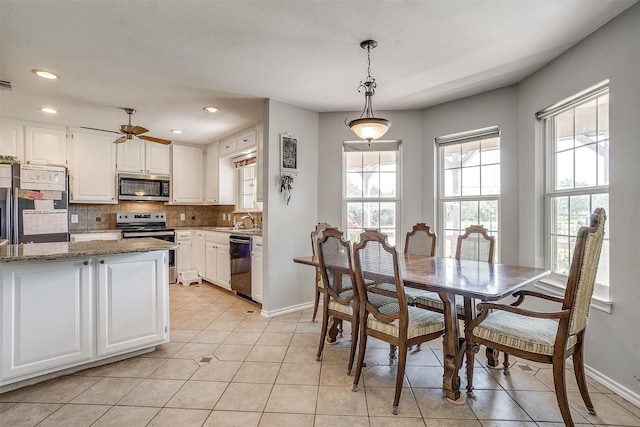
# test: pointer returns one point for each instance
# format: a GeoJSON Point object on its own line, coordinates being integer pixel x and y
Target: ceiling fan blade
{"type": "Point", "coordinates": [102, 130]}
{"type": "Point", "coordinates": [120, 140]}
{"type": "Point", "coordinates": [154, 139]}
{"type": "Point", "coordinates": [137, 130]}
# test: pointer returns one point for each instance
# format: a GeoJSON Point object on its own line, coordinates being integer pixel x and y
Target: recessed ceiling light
{"type": "Point", "coordinates": [48, 110]}
{"type": "Point", "coordinates": [211, 109]}
{"type": "Point", "coordinates": [45, 74]}
{"type": "Point", "coordinates": [176, 131]}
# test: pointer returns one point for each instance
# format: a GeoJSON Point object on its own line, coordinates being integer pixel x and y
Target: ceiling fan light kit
{"type": "Point", "coordinates": [368, 126]}
{"type": "Point", "coordinates": [128, 131]}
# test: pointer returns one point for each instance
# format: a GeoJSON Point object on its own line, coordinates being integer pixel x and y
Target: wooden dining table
{"type": "Point", "coordinates": [450, 277]}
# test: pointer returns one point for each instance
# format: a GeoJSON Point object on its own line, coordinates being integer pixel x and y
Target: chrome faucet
{"type": "Point", "coordinates": [251, 217]}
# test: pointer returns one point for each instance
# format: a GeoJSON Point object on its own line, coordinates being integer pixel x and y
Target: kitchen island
{"type": "Point", "coordinates": [67, 306]}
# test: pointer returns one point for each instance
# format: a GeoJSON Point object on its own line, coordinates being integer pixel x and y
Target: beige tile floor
{"type": "Point", "coordinates": [227, 366]}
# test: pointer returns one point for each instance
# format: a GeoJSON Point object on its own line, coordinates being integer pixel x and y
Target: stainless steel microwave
{"type": "Point", "coordinates": [151, 188]}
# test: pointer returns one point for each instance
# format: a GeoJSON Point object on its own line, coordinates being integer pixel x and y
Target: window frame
{"type": "Point", "coordinates": [375, 146]}
{"type": "Point", "coordinates": [240, 191]}
{"type": "Point", "coordinates": [555, 282]}
{"type": "Point", "coordinates": [456, 139]}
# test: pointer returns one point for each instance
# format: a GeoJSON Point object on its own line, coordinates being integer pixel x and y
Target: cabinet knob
{"type": "Point", "coordinates": [101, 261]}
{"type": "Point", "coordinates": [86, 263]}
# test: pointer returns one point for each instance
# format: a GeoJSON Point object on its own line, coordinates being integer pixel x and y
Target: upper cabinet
{"type": "Point", "coordinates": [240, 143]}
{"type": "Point", "coordinates": [92, 167]}
{"type": "Point", "coordinates": [188, 174]}
{"type": "Point", "coordinates": [140, 156]}
{"type": "Point", "coordinates": [12, 139]}
{"type": "Point", "coordinates": [45, 145]}
{"type": "Point", "coordinates": [246, 140]}
{"type": "Point", "coordinates": [219, 183]}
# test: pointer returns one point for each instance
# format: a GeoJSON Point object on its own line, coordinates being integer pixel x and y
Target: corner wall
{"type": "Point", "coordinates": [288, 286]}
{"type": "Point", "coordinates": [612, 52]}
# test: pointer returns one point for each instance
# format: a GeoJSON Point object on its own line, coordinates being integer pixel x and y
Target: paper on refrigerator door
{"type": "Point", "coordinates": [36, 177]}
{"type": "Point", "coordinates": [44, 221]}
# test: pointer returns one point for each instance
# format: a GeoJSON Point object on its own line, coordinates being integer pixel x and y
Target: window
{"type": "Point", "coordinates": [469, 191]}
{"type": "Point", "coordinates": [247, 187]}
{"type": "Point", "coordinates": [371, 191]}
{"type": "Point", "coordinates": [577, 146]}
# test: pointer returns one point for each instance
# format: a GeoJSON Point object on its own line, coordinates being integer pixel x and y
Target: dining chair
{"type": "Point", "coordinates": [340, 300]}
{"type": "Point", "coordinates": [397, 323]}
{"type": "Point", "coordinates": [474, 244]}
{"type": "Point", "coordinates": [549, 337]}
{"type": "Point", "coordinates": [419, 241]}
{"type": "Point", "coordinates": [319, 286]}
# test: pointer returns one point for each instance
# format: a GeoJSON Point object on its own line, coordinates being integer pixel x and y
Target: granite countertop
{"type": "Point", "coordinates": [60, 250]}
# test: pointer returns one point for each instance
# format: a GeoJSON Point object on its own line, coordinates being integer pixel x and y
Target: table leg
{"type": "Point", "coordinates": [452, 350]}
{"type": "Point", "coordinates": [332, 333]}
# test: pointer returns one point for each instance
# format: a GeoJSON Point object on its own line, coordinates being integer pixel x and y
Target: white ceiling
{"type": "Point", "coordinates": [169, 59]}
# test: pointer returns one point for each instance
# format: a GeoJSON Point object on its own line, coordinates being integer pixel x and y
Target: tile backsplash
{"type": "Point", "coordinates": [103, 217]}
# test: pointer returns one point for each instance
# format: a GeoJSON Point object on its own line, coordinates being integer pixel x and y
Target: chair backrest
{"type": "Point", "coordinates": [334, 257]}
{"type": "Point", "coordinates": [316, 235]}
{"type": "Point", "coordinates": [475, 244]}
{"type": "Point", "coordinates": [375, 260]}
{"type": "Point", "coordinates": [582, 273]}
{"type": "Point", "coordinates": [420, 241]}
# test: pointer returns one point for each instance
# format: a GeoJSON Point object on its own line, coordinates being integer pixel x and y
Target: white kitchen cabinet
{"type": "Point", "coordinates": [92, 167]}
{"type": "Point", "coordinates": [45, 145]}
{"type": "Point", "coordinates": [12, 139]}
{"type": "Point", "coordinates": [212, 194]}
{"type": "Point", "coordinates": [157, 158]}
{"type": "Point", "coordinates": [133, 292]}
{"type": "Point", "coordinates": [47, 317]}
{"type": "Point", "coordinates": [140, 156]}
{"type": "Point", "coordinates": [211, 261]}
{"type": "Point", "coordinates": [256, 269]}
{"type": "Point", "coordinates": [184, 253]}
{"type": "Point", "coordinates": [246, 141]}
{"type": "Point", "coordinates": [219, 183]}
{"type": "Point", "coordinates": [187, 177]}
{"type": "Point", "coordinates": [199, 256]}
{"type": "Point", "coordinates": [228, 146]}
{"type": "Point", "coordinates": [87, 237]}
{"type": "Point", "coordinates": [259, 160]}
{"type": "Point", "coordinates": [223, 268]}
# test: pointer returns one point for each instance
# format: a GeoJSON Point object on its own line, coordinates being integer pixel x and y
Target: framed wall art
{"type": "Point", "coordinates": [288, 154]}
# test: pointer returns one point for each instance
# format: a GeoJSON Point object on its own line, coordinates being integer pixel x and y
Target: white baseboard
{"type": "Point", "coordinates": [618, 389]}
{"type": "Point", "coordinates": [286, 310]}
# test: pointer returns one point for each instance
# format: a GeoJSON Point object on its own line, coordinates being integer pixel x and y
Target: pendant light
{"type": "Point", "coordinates": [367, 126]}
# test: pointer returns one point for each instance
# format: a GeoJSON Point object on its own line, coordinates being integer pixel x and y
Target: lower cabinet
{"type": "Point", "coordinates": [184, 253]}
{"type": "Point", "coordinates": [211, 257]}
{"type": "Point", "coordinates": [132, 306]}
{"type": "Point", "coordinates": [256, 269]}
{"type": "Point", "coordinates": [47, 316]}
{"type": "Point", "coordinates": [59, 314]}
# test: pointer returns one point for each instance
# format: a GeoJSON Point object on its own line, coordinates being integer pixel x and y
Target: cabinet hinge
{"type": "Point", "coordinates": [165, 329]}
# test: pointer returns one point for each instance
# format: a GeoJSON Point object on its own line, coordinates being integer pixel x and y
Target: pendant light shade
{"type": "Point", "coordinates": [368, 126]}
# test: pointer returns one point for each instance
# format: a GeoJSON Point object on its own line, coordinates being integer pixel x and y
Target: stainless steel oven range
{"type": "Point", "coordinates": [148, 224]}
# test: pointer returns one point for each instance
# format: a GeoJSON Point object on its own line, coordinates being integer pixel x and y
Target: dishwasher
{"type": "Point", "coordinates": [240, 251]}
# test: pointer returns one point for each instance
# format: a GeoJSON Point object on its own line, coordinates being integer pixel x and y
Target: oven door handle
{"type": "Point", "coordinates": [146, 234]}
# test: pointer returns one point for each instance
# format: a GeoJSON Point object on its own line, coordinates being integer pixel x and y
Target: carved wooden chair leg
{"type": "Point", "coordinates": [578, 370]}
{"type": "Point", "coordinates": [402, 363]}
{"type": "Point", "coordinates": [362, 343]}
{"type": "Point", "coordinates": [560, 386]}
{"type": "Point", "coordinates": [316, 302]}
{"type": "Point", "coordinates": [323, 334]}
{"type": "Point", "coordinates": [355, 330]}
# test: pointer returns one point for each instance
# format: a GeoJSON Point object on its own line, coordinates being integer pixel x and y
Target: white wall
{"type": "Point", "coordinates": [289, 286]}
{"type": "Point", "coordinates": [498, 107]}
{"type": "Point", "coordinates": [406, 126]}
{"type": "Point", "coordinates": [612, 52]}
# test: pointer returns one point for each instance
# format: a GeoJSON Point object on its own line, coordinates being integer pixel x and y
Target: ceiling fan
{"type": "Point", "coordinates": [129, 131]}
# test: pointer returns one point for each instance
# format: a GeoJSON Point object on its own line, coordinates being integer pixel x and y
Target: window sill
{"type": "Point", "coordinates": [557, 288]}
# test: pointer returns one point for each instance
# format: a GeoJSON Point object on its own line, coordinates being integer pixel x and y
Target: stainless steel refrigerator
{"type": "Point", "coordinates": [34, 203]}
